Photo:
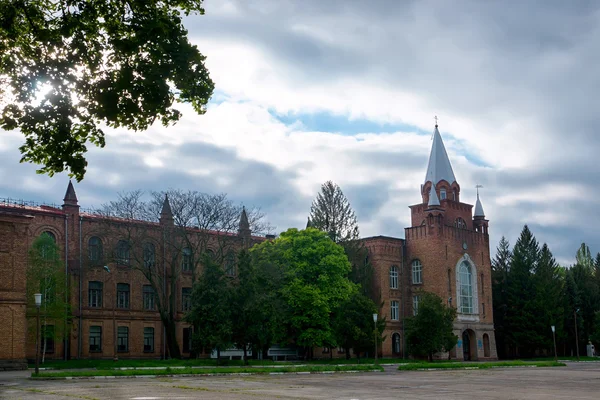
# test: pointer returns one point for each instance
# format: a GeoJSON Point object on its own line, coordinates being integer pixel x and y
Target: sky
{"type": "Point", "coordinates": [345, 90]}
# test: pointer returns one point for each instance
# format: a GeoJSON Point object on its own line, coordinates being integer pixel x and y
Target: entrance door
{"type": "Point", "coordinates": [466, 346]}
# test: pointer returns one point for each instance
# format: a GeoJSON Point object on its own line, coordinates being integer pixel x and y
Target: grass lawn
{"type": "Point", "coordinates": [478, 365]}
{"type": "Point", "coordinates": [216, 370]}
{"type": "Point", "coordinates": [124, 363]}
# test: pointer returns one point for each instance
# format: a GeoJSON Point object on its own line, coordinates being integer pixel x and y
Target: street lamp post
{"type": "Point", "coordinates": [576, 336]}
{"type": "Point", "coordinates": [375, 325]}
{"type": "Point", "coordinates": [116, 356]}
{"type": "Point", "coordinates": [554, 339]}
{"type": "Point", "coordinates": [38, 303]}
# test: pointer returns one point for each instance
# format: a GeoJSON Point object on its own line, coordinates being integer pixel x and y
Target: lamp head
{"type": "Point", "coordinates": [374, 317]}
{"type": "Point", "coordinates": [38, 299]}
{"type": "Point", "coordinates": [106, 268]}
{"type": "Point", "coordinates": [553, 328]}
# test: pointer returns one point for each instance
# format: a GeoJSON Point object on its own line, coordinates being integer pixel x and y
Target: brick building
{"type": "Point", "coordinates": [114, 305]}
{"type": "Point", "coordinates": [445, 251]}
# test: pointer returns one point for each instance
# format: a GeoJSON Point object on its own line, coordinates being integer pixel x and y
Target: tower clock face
{"type": "Point", "coordinates": [465, 245]}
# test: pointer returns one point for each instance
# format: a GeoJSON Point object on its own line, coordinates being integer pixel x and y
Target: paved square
{"type": "Point", "coordinates": [577, 381]}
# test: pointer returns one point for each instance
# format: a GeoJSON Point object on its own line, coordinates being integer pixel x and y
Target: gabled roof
{"type": "Point", "coordinates": [439, 167]}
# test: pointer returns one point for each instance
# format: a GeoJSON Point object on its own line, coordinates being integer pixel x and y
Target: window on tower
{"type": "Point", "coordinates": [442, 194]}
{"type": "Point", "coordinates": [417, 272]}
{"type": "Point", "coordinates": [460, 223]}
{"type": "Point", "coordinates": [465, 277]}
{"type": "Point", "coordinates": [393, 277]}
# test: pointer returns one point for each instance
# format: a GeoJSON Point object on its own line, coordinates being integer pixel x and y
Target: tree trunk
{"type": "Point", "coordinates": [218, 355]}
{"type": "Point", "coordinates": [245, 355]}
{"type": "Point", "coordinates": [347, 351]}
{"type": "Point", "coordinates": [171, 338]}
{"type": "Point", "coordinates": [430, 357]}
{"type": "Point", "coordinates": [331, 353]}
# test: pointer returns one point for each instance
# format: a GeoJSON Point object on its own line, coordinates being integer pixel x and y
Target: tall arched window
{"type": "Point", "coordinates": [122, 256]}
{"type": "Point", "coordinates": [460, 223]}
{"type": "Point", "coordinates": [149, 255]}
{"type": "Point", "coordinates": [417, 272]}
{"type": "Point", "coordinates": [51, 235]}
{"type": "Point", "coordinates": [465, 277]}
{"type": "Point", "coordinates": [95, 250]}
{"type": "Point", "coordinates": [47, 251]}
{"type": "Point", "coordinates": [393, 277]}
{"type": "Point", "coordinates": [396, 343]}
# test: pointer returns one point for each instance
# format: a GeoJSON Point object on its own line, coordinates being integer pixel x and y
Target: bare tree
{"type": "Point", "coordinates": [188, 226]}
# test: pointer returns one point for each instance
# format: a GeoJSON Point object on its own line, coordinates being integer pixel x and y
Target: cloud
{"type": "Point", "coordinates": [343, 90]}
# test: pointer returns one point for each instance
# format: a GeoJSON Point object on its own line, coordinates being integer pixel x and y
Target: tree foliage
{"type": "Point", "coordinates": [431, 330]}
{"type": "Point", "coordinates": [314, 282]}
{"type": "Point", "coordinates": [331, 212]}
{"type": "Point", "coordinates": [46, 275]}
{"type": "Point", "coordinates": [212, 307]}
{"type": "Point", "coordinates": [102, 62]}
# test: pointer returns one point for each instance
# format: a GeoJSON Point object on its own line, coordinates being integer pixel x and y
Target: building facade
{"type": "Point", "coordinates": [446, 251]}
{"type": "Point", "coordinates": [114, 306]}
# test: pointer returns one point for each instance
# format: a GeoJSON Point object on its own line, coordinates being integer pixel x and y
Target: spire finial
{"type": "Point", "coordinates": [436, 121]}
{"type": "Point", "coordinates": [477, 187]}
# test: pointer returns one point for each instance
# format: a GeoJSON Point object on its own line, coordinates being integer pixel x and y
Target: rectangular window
{"type": "Point", "coordinates": [186, 260]}
{"type": "Point", "coordinates": [148, 297]}
{"type": "Point", "coordinates": [417, 272]}
{"type": "Point", "coordinates": [148, 340]}
{"type": "Point", "coordinates": [416, 305]}
{"type": "Point", "coordinates": [341, 350]}
{"type": "Point", "coordinates": [95, 338]}
{"type": "Point", "coordinates": [187, 340]}
{"type": "Point", "coordinates": [122, 339]}
{"type": "Point", "coordinates": [394, 310]}
{"type": "Point", "coordinates": [95, 294]}
{"type": "Point", "coordinates": [394, 277]}
{"type": "Point", "coordinates": [186, 299]}
{"type": "Point", "coordinates": [443, 194]}
{"type": "Point", "coordinates": [122, 295]}
{"type": "Point", "coordinates": [47, 335]}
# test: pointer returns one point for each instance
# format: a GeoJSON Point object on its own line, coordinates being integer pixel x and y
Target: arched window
{"type": "Point", "coordinates": [396, 343]}
{"type": "Point", "coordinates": [122, 253]}
{"type": "Point", "coordinates": [465, 277]}
{"type": "Point", "coordinates": [417, 272]}
{"type": "Point", "coordinates": [95, 250]}
{"type": "Point", "coordinates": [486, 345]}
{"type": "Point", "coordinates": [51, 235]}
{"type": "Point", "coordinates": [393, 277]}
{"type": "Point", "coordinates": [442, 194]}
{"type": "Point", "coordinates": [460, 223]}
{"type": "Point", "coordinates": [230, 264]}
{"type": "Point", "coordinates": [149, 255]}
{"type": "Point", "coordinates": [186, 259]}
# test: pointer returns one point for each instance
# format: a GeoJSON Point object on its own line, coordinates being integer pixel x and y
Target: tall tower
{"type": "Point", "coordinates": [447, 249]}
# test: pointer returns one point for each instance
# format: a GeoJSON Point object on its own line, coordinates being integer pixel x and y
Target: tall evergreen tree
{"type": "Point", "coordinates": [521, 294]}
{"type": "Point", "coordinates": [547, 301]}
{"type": "Point", "coordinates": [331, 213]}
{"type": "Point", "coordinates": [572, 302]}
{"type": "Point", "coordinates": [500, 270]}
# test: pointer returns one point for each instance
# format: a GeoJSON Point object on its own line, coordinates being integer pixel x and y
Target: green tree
{"type": "Point", "coordinates": [521, 294]}
{"type": "Point", "coordinates": [430, 331]}
{"type": "Point", "coordinates": [354, 327]}
{"type": "Point", "coordinates": [315, 282]}
{"type": "Point", "coordinates": [332, 213]}
{"type": "Point", "coordinates": [500, 271]}
{"type": "Point", "coordinates": [211, 311]}
{"type": "Point", "coordinates": [46, 275]}
{"type": "Point", "coordinates": [103, 62]}
{"type": "Point", "coordinates": [548, 287]}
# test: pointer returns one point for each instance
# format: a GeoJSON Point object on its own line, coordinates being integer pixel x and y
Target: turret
{"type": "Point", "coordinates": [166, 215]}
{"type": "Point", "coordinates": [70, 199]}
{"type": "Point", "coordinates": [244, 229]}
{"type": "Point", "coordinates": [439, 172]}
{"type": "Point", "coordinates": [479, 222]}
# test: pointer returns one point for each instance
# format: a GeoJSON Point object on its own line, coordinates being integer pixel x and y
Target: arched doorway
{"type": "Point", "coordinates": [469, 345]}
{"type": "Point", "coordinates": [486, 345]}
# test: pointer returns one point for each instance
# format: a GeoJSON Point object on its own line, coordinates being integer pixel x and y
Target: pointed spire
{"type": "Point", "coordinates": [244, 224]}
{"type": "Point", "coordinates": [70, 196]}
{"type": "Point", "coordinates": [309, 223]}
{"type": "Point", "coordinates": [166, 215]}
{"type": "Point", "coordinates": [478, 207]}
{"type": "Point", "coordinates": [439, 167]}
{"type": "Point", "coordinates": [433, 197]}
